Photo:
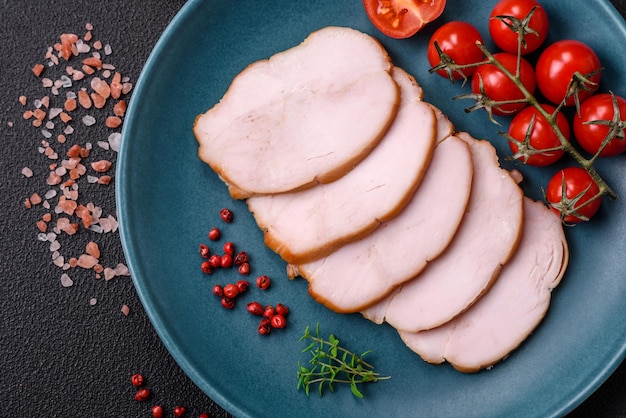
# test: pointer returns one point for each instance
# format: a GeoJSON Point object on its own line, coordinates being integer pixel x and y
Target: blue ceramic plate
{"type": "Point", "coordinates": [168, 200]}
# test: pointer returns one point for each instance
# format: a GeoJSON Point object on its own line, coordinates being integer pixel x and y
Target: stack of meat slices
{"type": "Point", "coordinates": [367, 192]}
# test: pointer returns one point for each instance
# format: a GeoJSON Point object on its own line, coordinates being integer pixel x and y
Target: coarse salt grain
{"type": "Point", "coordinates": [55, 245]}
{"type": "Point", "coordinates": [66, 281]}
{"type": "Point", "coordinates": [125, 310]}
{"type": "Point", "coordinates": [93, 301]}
{"type": "Point", "coordinates": [87, 261]}
{"type": "Point", "coordinates": [89, 120]}
{"type": "Point", "coordinates": [27, 172]}
{"type": "Point", "coordinates": [115, 140]}
{"type": "Point", "coordinates": [59, 261]}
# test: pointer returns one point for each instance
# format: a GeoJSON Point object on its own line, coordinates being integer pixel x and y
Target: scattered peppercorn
{"type": "Point", "coordinates": [263, 282]}
{"type": "Point", "coordinates": [226, 261]}
{"type": "Point", "coordinates": [265, 327]}
{"type": "Point", "coordinates": [215, 261]}
{"type": "Point", "coordinates": [157, 411]}
{"type": "Point", "coordinates": [255, 308]}
{"type": "Point", "coordinates": [218, 290]}
{"type": "Point", "coordinates": [231, 290]}
{"type": "Point", "coordinates": [281, 309]}
{"type": "Point", "coordinates": [241, 258]}
{"type": "Point", "coordinates": [226, 215]}
{"type": "Point", "coordinates": [206, 267]}
{"type": "Point", "coordinates": [229, 248]}
{"type": "Point", "coordinates": [142, 395]}
{"type": "Point", "coordinates": [228, 303]}
{"type": "Point", "coordinates": [268, 312]}
{"type": "Point", "coordinates": [214, 234]}
{"type": "Point", "coordinates": [204, 251]}
{"type": "Point", "coordinates": [243, 285]}
{"type": "Point", "coordinates": [179, 411]}
{"type": "Point", "coordinates": [244, 269]}
{"type": "Point", "coordinates": [136, 379]}
{"type": "Point", "coordinates": [278, 321]}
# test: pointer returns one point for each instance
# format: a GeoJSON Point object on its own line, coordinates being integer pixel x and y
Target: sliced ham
{"type": "Point", "coordinates": [445, 128]}
{"type": "Point", "coordinates": [363, 272]}
{"type": "Point", "coordinates": [497, 323]}
{"type": "Point", "coordinates": [309, 224]}
{"type": "Point", "coordinates": [305, 116]}
{"type": "Point", "coordinates": [487, 238]}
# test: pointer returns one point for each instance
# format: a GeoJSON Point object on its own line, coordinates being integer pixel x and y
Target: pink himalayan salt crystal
{"type": "Point", "coordinates": [66, 280]}
{"type": "Point", "coordinates": [92, 249]}
{"type": "Point", "coordinates": [87, 261]}
{"type": "Point", "coordinates": [125, 309]}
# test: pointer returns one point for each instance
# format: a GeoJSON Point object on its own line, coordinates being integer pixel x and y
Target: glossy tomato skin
{"type": "Point", "coordinates": [591, 136]}
{"type": "Point", "coordinates": [576, 180]}
{"type": "Point", "coordinates": [457, 40]}
{"type": "Point", "coordinates": [558, 63]}
{"type": "Point", "coordinates": [499, 87]}
{"type": "Point", "coordinates": [505, 38]}
{"type": "Point", "coordinates": [401, 19]}
{"type": "Point", "coordinates": [542, 137]}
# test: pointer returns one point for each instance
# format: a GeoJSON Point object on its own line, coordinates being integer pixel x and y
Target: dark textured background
{"type": "Point", "coordinates": [59, 355]}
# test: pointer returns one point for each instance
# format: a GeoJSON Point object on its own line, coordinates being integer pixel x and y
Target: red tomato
{"type": "Point", "coordinates": [458, 41]}
{"type": "Point", "coordinates": [579, 190]}
{"type": "Point", "coordinates": [542, 136]}
{"type": "Point", "coordinates": [498, 87]}
{"type": "Point", "coordinates": [402, 18]}
{"type": "Point", "coordinates": [506, 38]}
{"type": "Point", "coordinates": [558, 63]}
{"type": "Point", "coordinates": [590, 136]}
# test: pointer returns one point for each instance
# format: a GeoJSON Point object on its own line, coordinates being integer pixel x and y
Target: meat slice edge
{"type": "Point", "coordinates": [310, 224]}
{"type": "Point", "coordinates": [361, 273]}
{"type": "Point", "coordinates": [489, 233]}
{"type": "Point", "coordinates": [305, 116]}
{"type": "Point", "coordinates": [514, 306]}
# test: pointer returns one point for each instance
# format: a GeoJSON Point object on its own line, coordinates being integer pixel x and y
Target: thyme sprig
{"type": "Point", "coordinates": [331, 363]}
{"type": "Point", "coordinates": [579, 82]}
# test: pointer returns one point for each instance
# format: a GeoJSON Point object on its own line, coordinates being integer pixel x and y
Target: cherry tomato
{"type": "Point", "coordinates": [498, 87]}
{"type": "Point", "coordinates": [506, 38]}
{"type": "Point", "coordinates": [599, 107]}
{"type": "Point", "coordinates": [542, 136]}
{"type": "Point", "coordinates": [579, 190]}
{"type": "Point", "coordinates": [402, 18]}
{"type": "Point", "coordinates": [558, 63]}
{"type": "Point", "coordinates": [458, 41]}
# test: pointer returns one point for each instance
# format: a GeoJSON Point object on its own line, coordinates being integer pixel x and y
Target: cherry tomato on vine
{"type": "Point", "coordinates": [499, 87]}
{"type": "Point", "coordinates": [542, 136]}
{"type": "Point", "coordinates": [402, 18]}
{"type": "Point", "coordinates": [579, 190]}
{"type": "Point", "coordinates": [558, 63]}
{"type": "Point", "coordinates": [600, 107]}
{"type": "Point", "coordinates": [506, 37]}
{"type": "Point", "coordinates": [458, 41]}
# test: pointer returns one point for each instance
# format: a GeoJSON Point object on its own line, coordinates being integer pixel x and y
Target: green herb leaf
{"type": "Point", "coordinates": [333, 364]}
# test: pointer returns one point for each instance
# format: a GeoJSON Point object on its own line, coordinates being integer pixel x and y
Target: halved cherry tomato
{"type": "Point", "coordinates": [542, 136]}
{"type": "Point", "coordinates": [402, 18]}
{"type": "Point", "coordinates": [458, 41]}
{"type": "Point", "coordinates": [498, 87]}
{"type": "Point", "coordinates": [506, 38]}
{"type": "Point", "coordinates": [590, 136]}
{"type": "Point", "coordinates": [579, 188]}
{"type": "Point", "coordinates": [558, 63]}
